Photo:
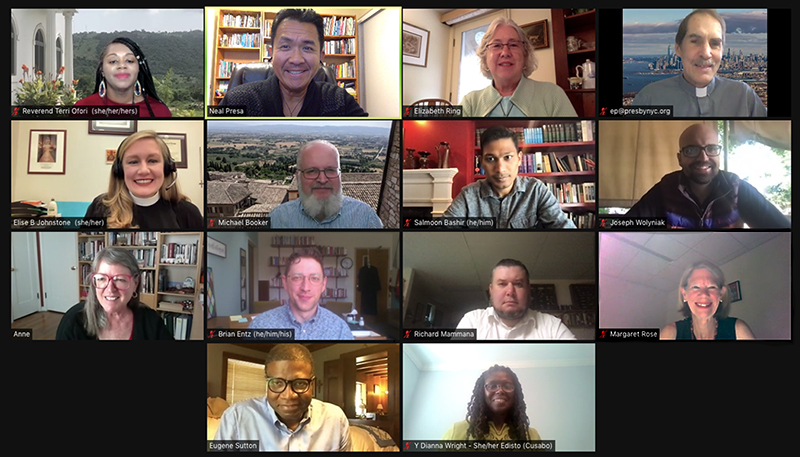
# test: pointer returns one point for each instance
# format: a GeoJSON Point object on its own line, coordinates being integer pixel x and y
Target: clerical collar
{"type": "Point", "coordinates": [699, 92]}
{"type": "Point", "coordinates": [149, 201]}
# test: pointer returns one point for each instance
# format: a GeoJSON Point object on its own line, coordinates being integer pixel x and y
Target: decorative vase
{"type": "Point", "coordinates": [409, 162]}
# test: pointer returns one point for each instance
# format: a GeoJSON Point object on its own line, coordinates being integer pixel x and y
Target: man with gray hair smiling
{"type": "Point", "coordinates": [321, 203]}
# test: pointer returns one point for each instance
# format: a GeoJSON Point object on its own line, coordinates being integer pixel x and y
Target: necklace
{"type": "Point", "coordinates": [291, 110]}
{"type": "Point", "coordinates": [716, 325]}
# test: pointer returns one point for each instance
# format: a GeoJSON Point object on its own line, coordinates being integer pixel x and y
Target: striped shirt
{"type": "Point", "coordinates": [353, 214]}
{"type": "Point", "coordinates": [325, 325]}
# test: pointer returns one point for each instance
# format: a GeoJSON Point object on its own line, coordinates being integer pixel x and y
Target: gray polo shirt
{"type": "Point", "coordinates": [529, 203]}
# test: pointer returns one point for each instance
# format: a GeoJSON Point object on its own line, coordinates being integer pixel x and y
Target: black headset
{"type": "Point", "coordinates": [117, 170]}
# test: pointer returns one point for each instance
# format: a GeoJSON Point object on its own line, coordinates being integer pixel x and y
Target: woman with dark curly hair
{"type": "Point", "coordinates": [496, 410]}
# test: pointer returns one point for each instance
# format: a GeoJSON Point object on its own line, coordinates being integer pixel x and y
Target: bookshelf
{"type": "Point", "coordinates": [245, 36]}
{"type": "Point", "coordinates": [579, 24]}
{"type": "Point", "coordinates": [165, 261]}
{"type": "Point", "coordinates": [285, 245]}
{"type": "Point", "coordinates": [561, 154]}
{"type": "Point", "coordinates": [582, 313]}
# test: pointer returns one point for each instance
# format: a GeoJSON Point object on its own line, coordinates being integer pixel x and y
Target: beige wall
{"type": "Point", "coordinates": [429, 81]}
{"type": "Point", "coordinates": [87, 172]}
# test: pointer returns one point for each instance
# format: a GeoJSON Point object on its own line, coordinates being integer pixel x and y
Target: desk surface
{"type": "Point", "coordinates": [225, 322]}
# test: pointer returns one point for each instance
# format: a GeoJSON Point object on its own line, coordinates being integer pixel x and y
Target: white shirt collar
{"type": "Point", "coordinates": [149, 201]}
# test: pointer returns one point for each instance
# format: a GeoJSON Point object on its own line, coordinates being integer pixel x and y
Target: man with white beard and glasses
{"type": "Point", "coordinates": [321, 203]}
{"type": "Point", "coordinates": [510, 317]}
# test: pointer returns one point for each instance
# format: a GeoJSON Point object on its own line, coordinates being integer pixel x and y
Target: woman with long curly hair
{"type": "Point", "coordinates": [496, 410]}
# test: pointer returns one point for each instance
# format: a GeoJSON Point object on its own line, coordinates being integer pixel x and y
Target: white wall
{"type": "Point", "coordinates": [547, 66]}
{"type": "Point", "coordinates": [27, 22]}
{"type": "Point", "coordinates": [429, 81]}
{"type": "Point", "coordinates": [87, 172]}
{"type": "Point", "coordinates": [379, 58]}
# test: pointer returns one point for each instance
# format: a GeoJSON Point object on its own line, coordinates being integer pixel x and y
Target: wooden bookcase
{"type": "Point", "coordinates": [340, 44]}
{"type": "Point", "coordinates": [286, 245]}
{"type": "Point", "coordinates": [152, 251]}
{"type": "Point", "coordinates": [566, 23]}
{"type": "Point", "coordinates": [581, 314]}
{"type": "Point", "coordinates": [567, 186]}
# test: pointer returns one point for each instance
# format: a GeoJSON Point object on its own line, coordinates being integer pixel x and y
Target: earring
{"type": "Point", "coordinates": [135, 294]}
{"type": "Point", "coordinates": [101, 91]}
{"type": "Point", "coordinates": [137, 88]}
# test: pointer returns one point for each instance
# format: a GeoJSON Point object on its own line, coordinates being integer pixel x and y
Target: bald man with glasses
{"type": "Point", "coordinates": [288, 418]}
{"type": "Point", "coordinates": [304, 283]}
{"type": "Point", "coordinates": [701, 196]}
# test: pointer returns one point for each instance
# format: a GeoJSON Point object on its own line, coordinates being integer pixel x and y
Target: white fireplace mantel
{"type": "Point", "coordinates": [429, 187]}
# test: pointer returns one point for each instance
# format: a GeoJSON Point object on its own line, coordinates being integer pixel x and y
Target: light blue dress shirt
{"type": "Point", "coordinates": [325, 325]}
{"type": "Point", "coordinates": [353, 214]}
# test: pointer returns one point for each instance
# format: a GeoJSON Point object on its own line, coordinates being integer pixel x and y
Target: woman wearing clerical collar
{"type": "Point", "coordinates": [507, 58]}
{"type": "Point", "coordinates": [496, 410]}
{"type": "Point", "coordinates": [143, 191]}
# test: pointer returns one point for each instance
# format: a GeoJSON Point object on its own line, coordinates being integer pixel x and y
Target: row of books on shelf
{"type": "Point", "coordinates": [332, 292]}
{"type": "Point", "coordinates": [241, 20]}
{"type": "Point", "coordinates": [339, 26]}
{"type": "Point", "coordinates": [563, 132]}
{"type": "Point", "coordinates": [581, 220]}
{"type": "Point", "coordinates": [145, 258]}
{"type": "Point", "coordinates": [549, 162]}
{"type": "Point", "coordinates": [179, 253]}
{"type": "Point", "coordinates": [148, 279]}
{"type": "Point", "coordinates": [586, 319]}
{"type": "Point", "coordinates": [178, 324]}
{"type": "Point", "coordinates": [275, 261]}
{"type": "Point", "coordinates": [334, 271]}
{"type": "Point", "coordinates": [225, 69]}
{"type": "Point", "coordinates": [88, 249]}
{"type": "Point", "coordinates": [344, 46]}
{"type": "Point", "coordinates": [569, 192]}
{"type": "Point", "coordinates": [345, 70]}
{"type": "Point", "coordinates": [133, 238]}
{"type": "Point", "coordinates": [287, 240]}
{"type": "Point", "coordinates": [176, 306]}
{"type": "Point", "coordinates": [240, 40]}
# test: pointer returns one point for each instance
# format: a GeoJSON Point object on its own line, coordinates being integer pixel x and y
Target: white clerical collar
{"type": "Point", "coordinates": [149, 201]}
{"type": "Point", "coordinates": [700, 92]}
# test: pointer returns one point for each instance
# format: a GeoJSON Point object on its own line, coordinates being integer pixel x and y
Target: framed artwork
{"type": "Point", "coordinates": [112, 127]}
{"type": "Point", "coordinates": [735, 291]}
{"type": "Point", "coordinates": [111, 155]}
{"type": "Point", "coordinates": [415, 45]}
{"type": "Point", "coordinates": [47, 152]}
{"type": "Point", "coordinates": [537, 33]}
{"type": "Point", "coordinates": [211, 309]}
{"type": "Point", "coordinates": [176, 142]}
{"type": "Point", "coordinates": [217, 247]}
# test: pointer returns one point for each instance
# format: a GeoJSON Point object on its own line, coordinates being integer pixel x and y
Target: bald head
{"type": "Point", "coordinates": [693, 132]}
{"type": "Point", "coordinates": [697, 164]}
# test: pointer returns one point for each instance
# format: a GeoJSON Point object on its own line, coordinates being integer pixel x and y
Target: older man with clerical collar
{"type": "Point", "coordinates": [291, 91]}
{"type": "Point", "coordinates": [510, 317]}
{"type": "Point", "coordinates": [288, 418]}
{"type": "Point", "coordinates": [304, 283]}
{"type": "Point", "coordinates": [514, 201]}
{"type": "Point", "coordinates": [698, 91]}
{"type": "Point", "coordinates": [701, 196]}
{"type": "Point", "coordinates": [321, 203]}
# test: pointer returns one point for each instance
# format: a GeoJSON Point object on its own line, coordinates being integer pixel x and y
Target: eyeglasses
{"type": "Point", "coordinates": [313, 173]}
{"type": "Point", "coordinates": [495, 386]}
{"type": "Point", "coordinates": [299, 385]}
{"type": "Point", "coordinates": [298, 279]}
{"type": "Point", "coordinates": [513, 46]}
{"type": "Point", "coordinates": [712, 150]}
{"type": "Point", "coordinates": [121, 282]}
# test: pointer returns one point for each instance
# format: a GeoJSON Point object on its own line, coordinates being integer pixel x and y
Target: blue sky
{"type": "Point", "coordinates": [649, 31]}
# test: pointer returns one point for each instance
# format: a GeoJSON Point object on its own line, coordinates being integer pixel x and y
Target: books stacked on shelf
{"type": "Point", "coordinates": [175, 306]}
{"type": "Point", "coordinates": [333, 271]}
{"type": "Point", "coordinates": [581, 220]}
{"type": "Point", "coordinates": [275, 261]}
{"type": "Point", "coordinates": [240, 40]}
{"type": "Point", "coordinates": [285, 240]}
{"type": "Point", "coordinates": [88, 249]}
{"type": "Point", "coordinates": [148, 279]}
{"type": "Point", "coordinates": [241, 20]}
{"type": "Point", "coordinates": [331, 292]}
{"type": "Point", "coordinates": [569, 192]}
{"type": "Point", "coordinates": [222, 88]}
{"type": "Point", "coordinates": [332, 250]}
{"type": "Point", "coordinates": [549, 162]}
{"type": "Point", "coordinates": [86, 275]}
{"type": "Point", "coordinates": [343, 46]}
{"type": "Point", "coordinates": [580, 319]}
{"type": "Point", "coordinates": [146, 258]}
{"type": "Point", "coordinates": [578, 131]}
{"type": "Point", "coordinates": [345, 70]}
{"type": "Point", "coordinates": [179, 253]}
{"type": "Point", "coordinates": [133, 238]}
{"type": "Point", "coordinates": [178, 324]}
{"type": "Point", "coordinates": [276, 281]}
{"type": "Point", "coordinates": [225, 69]}
{"type": "Point", "coordinates": [339, 26]}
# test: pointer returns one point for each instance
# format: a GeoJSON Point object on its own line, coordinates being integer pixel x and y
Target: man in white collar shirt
{"type": "Point", "coordinates": [698, 91]}
{"type": "Point", "coordinates": [288, 418]}
{"type": "Point", "coordinates": [509, 317]}
{"type": "Point", "coordinates": [321, 203]}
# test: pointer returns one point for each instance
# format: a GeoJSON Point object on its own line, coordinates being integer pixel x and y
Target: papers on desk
{"type": "Point", "coordinates": [239, 319]}
{"type": "Point", "coordinates": [363, 333]}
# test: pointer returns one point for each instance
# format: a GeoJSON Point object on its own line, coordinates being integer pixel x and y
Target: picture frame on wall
{"type": "Point", "coordinates": [112, 127]}
{"type": "Point", "coordinates": [217, 248]}
{"type": "Point", "coordinates": [537, 33]}
{"type": "Point", "coordinates": [415, 45]}
{"type": "Point", "coordinates": [176, 142]}
{"type": "Point", "coordinates": [47, 152]}
{"type": "Point", "coordinates": [735, 291]}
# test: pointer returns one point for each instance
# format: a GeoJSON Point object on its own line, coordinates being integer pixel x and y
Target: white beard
{"type": "Point", "coordinates": [321, 209]}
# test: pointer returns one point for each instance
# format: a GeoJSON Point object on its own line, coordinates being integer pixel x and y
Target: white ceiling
{"type": "Point", "coordinates": [450, 357]}
{"type": "Point", "coordinates": [659, 259]}
{"type": "Point", "coordinates": [456, 267]}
